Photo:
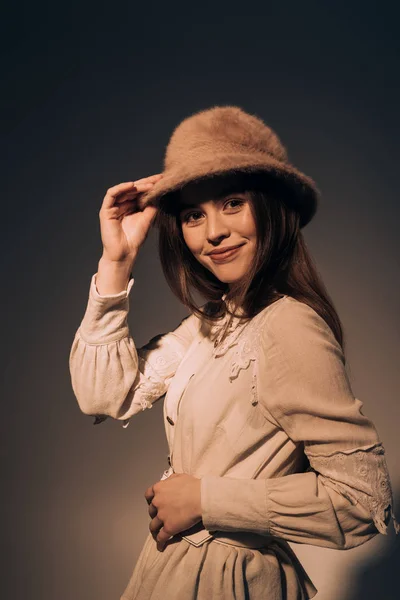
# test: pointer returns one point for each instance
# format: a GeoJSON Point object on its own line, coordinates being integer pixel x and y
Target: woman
{"type": "Point", "coordinates": [267, 442]}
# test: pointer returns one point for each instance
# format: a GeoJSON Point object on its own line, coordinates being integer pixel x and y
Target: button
{"type": "Point", "coordinates": [170, 421]}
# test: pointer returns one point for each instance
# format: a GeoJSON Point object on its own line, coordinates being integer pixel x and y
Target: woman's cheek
{"type": "Point", "coordinates": [194, 242]}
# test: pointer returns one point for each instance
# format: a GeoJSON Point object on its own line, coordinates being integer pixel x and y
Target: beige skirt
{"type": "Point", "coordinates": [218, 570]}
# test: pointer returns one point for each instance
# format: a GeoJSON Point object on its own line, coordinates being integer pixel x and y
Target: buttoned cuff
{"type": "Point", "coordinates": [230, 504]}
{"type": "Point", "coordinates": [94, 294]}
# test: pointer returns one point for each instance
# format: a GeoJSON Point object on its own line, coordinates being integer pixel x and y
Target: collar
{"type": "Point", "coordinates": [225, 332]}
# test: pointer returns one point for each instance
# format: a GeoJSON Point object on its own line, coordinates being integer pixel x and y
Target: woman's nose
{"type": "Point", "coordinates": [216, 228]}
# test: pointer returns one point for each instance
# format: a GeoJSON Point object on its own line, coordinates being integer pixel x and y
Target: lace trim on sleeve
{"type": "Point", "coordinates": [153, 380]}
{"type": "Point", "coordinates": [360, 475]}
{"type": "Point", "coordinates": [154, 371]}
{"type": "Point", "coordinates": [150, 384]}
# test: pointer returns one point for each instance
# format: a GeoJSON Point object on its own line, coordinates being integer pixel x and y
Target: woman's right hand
{"type": "Point", "coordinates": [123, 226]}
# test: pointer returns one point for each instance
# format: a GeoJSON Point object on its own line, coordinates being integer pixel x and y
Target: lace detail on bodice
{"type": "Point", "coordinates": [222, 342]}
{"type": "Point", "coordinates": [246, 336]}
{"type": "Point", "coordinates": [360, 475]}
{"type": "Point", "coordinates": [247, 351]}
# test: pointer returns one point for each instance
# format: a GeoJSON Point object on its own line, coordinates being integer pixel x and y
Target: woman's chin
{"type": "Point", "coordinates": [229, 278]}
{"type": "Point", "coordinates": [227, 273]}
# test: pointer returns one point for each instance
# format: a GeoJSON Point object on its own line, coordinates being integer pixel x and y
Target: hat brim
{"type": "Point", "coordinates": [303, 191]}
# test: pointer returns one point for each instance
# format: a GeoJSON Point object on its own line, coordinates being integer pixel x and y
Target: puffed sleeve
{"type": "Point", "coordinates": [344, 498]}
{"type": "Point", "coordinates": [111, 377]}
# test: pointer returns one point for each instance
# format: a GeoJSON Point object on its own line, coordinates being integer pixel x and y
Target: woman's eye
{"type": "Point", "coordinates": [234, 200]}
{"type": "Point", "coordinates": [191, 217]}
{"type": "Point", "coordinates": [186, 218]}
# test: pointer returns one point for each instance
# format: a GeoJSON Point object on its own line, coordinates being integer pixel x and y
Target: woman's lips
{"type": "Point", "coordinates": [222, 256]}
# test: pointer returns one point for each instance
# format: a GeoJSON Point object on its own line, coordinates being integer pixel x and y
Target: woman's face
{"type": "Point", "coordinates": [213, 220]}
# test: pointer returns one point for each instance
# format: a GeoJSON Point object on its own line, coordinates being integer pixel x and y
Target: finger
{"type": "Point", "coordinates": [152, 510]}
{"type": "Point", "coordinates": [130, 206]}
{"type": "Point", "coordinates": [130, 186]}
{"type": "Point", "coordinates": [122, 206]}
{"type": "Point", "coordinates": [150, 212]}
{"type": "Point", "coordinates": [120, 187]}
{"type": "Point", "coordinates": [130, 195]}
{"type": "Point", "coordinates": [137, 189]}
{"type": "Point", "coordinates": [149, 494]}
{"type": "Point", "coordinates": [153, 178]}
{"type": "Point", "coordinates": [162, 538]}
{"type": "Point", "coordinates": [155, 525]}
{"type": "Point", "coordinates": [121, 210]}
{"type": "Point", "coordinates": [140, 186]}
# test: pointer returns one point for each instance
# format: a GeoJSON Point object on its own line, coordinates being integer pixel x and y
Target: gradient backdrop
{"type": "Point", "coordinates": [90, 98]}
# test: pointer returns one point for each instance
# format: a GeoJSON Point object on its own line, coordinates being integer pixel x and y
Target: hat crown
{"type": "Point", "coordinates": [222, 130]}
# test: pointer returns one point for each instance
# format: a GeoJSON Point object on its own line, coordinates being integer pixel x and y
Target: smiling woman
{"type": "Point", "coordinates": [256, 212]}
{"type": "Point", "coordinates": [267, 442]}
{"type": "Point", "coordinates": [216, 229]}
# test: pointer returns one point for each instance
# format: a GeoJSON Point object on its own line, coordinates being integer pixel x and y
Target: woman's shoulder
{"type": "Point", "coordinates": [290, 318]}
{"type": "Point", "coordinates": [284, 306]}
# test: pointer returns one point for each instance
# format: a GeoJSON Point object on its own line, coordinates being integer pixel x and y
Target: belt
{"type": "Point", "coordinates": [199, 535]}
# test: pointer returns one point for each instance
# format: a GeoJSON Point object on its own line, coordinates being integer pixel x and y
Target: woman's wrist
{"type": "Point", "coordinates": [113, 276]}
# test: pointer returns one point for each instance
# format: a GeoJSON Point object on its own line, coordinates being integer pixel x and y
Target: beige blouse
{"type": "Point", "coordinates": [266, 418]}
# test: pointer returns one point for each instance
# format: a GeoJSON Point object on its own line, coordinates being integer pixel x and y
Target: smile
{"type": "Point", "coordinates": [222, 256]}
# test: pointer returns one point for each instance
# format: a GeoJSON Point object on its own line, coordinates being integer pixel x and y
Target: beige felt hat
{"type": "Point", "coordinates": [225, 139]}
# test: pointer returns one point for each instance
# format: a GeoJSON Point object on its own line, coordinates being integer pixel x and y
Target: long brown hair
{"type": "Point", "coordinates": [283, 264]}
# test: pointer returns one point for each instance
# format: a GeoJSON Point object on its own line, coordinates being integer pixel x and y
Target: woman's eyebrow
{"type": "Point", "coordinates": [220, 196]}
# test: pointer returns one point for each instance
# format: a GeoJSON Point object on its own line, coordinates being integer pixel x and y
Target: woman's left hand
{"type": "Point", "coordinates": [174, 506]}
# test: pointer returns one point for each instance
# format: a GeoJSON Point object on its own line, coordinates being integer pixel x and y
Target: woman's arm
{"type": "Point", "coordinates": [109, 375]}
{"type": "Point", "coordinates": [345, 497]}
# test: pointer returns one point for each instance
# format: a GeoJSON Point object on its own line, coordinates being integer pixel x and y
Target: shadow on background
{"type": "Point", "coordinates": [378, 577]}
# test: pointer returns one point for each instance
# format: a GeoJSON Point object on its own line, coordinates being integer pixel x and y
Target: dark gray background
{"type": "Point", "coordinates": [90, 97]}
